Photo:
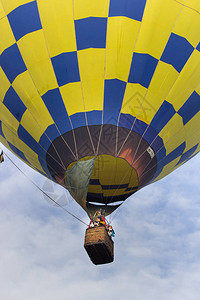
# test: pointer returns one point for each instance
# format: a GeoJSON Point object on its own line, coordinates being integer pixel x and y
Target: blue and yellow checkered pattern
{"type": "Point", "coordinates": [72, 63]}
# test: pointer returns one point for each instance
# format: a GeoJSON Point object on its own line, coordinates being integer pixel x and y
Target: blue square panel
{"type": "Point", "coordinates": [91, 33]}
{"type": "Point", "coordinates": [133, 9]}
{"type": "Point", "coordinates": [157, 146]}
{"type": "Point", "coordinates": [55, 105]}
{"type": "Point", "coordinates": [66, 68]}
{"type": "Point", "coordinates": [94, 117]}
{"type": "Point", "coordinates": [24, 19]}
{"type": "Point", "coordinates": [177, 52]}
{"type": "Point", "coordinates": [113, 98]}
{"type": "Point", "coordinates": [190, 108]}
{"type": "Point", "coordinates": [150, 134]}
{"type": "Point", "coordinates": [126, 121]}
{"type": "Point", "coordinates": [142, 69]}
{"type": "Point", "coordinates": [139, 127]}
{"type": "Point", "coordinates": [78, 120]}
{"type": "Point", "coordinates": [14, 104]}
{"type": "Point", "coordinates": [12, 63]}
{"type": "Point", "coordinates": [163, 115]}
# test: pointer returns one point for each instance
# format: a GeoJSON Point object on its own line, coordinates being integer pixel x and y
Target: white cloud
{"type": "Point", "coordinates": [156, 246]}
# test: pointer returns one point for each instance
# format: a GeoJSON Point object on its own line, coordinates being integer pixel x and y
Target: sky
{"type": "Point", "coordinates": [157, 242]}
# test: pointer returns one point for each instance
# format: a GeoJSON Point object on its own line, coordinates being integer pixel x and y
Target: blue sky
{"type": "Point", "coordinates": [157, 242]}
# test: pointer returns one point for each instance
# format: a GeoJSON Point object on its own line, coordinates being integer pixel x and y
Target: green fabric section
{"type": "Point", "coordinates": [77, 180]}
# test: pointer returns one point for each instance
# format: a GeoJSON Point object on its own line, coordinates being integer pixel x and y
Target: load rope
{"type": "Point", "coordinates": [43, 191]}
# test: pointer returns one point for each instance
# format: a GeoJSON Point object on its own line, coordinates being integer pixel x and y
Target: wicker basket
{"type": "Point", "coordinates": [99, 245]}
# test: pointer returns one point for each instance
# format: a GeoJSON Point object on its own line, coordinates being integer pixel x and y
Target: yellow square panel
{"type": "Point", "coordinates": [72, 97]}
{"type": "Point", "coordinates": [60, 37]}
{"type": "Point", "coordinates": [91, 63]}
{"type": "Point", "coordinates": [162, 82]}
{"type": "Point", "coordinates": [91, 67]}
{"type": "Point", "coordinates": [7, 38]}
{"type": "Point", "coordinates": [33, 48]}
{"type": "Point", "coordinates": [187, 81]}
{"type": "Point", "coordinates": [93, 93]}
{"type": "Point", "coordinates": [10, 5]}
{"type": "Point", "coordinates": [43, 76]}
{"type": "Point", "coordinates": [5, 84]}
{"type": "Point", "coordinates": [90, 8]}
{"type": "Point", "coordinates": [35, 55]}
{"type": "Point", "coordinates": [29, 95]}
{"type": "Point", "coordinates": [187, 26]}
{"type": "Point", "coordinates": [30, 124]}
{"type": "Point", "coordinates": [158, 21]}
{"type": "Point", "coordinates": [58, 24]}
{"type": "Point", "coordinates": [134, 102]}
{"type": "Point", "coordinates": [2, 12]}
{"type": "Point", "coordinates": [192, 131]}
{"type": "Point", "coordinates": [121, 38]}
{"type": "Point", "coordinates": [173, 134]}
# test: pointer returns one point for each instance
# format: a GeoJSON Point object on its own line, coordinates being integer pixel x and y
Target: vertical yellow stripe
{"type": "Point", "coordinates": [91, 67]}
{"type": "Point", "coordinates": [58, 25]}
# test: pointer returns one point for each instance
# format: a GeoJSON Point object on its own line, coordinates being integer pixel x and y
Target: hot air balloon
{"type": "Point", "coordinates": [101, 96]}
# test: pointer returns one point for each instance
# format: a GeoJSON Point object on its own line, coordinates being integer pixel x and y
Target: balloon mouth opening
{"type": "Point", "coordinates": [118, 170]}
{"type": "Point", "coordinates": [105, 205]}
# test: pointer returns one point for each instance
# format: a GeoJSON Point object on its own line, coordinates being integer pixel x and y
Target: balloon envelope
{"type": "Point", "coordinates": [100, 96]}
